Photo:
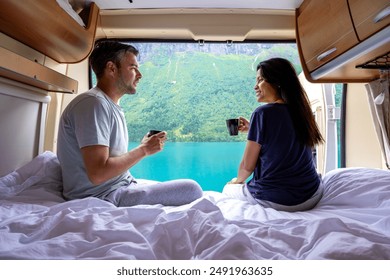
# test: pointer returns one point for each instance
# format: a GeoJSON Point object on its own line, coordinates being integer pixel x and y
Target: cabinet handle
{"type": "Point", "coordinates": [382, 14]}
{"type": "Point", "coordinates": [325, 54]}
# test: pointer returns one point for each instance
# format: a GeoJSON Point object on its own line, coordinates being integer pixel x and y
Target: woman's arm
{"type": "Point", "coordinates": [248, 162]}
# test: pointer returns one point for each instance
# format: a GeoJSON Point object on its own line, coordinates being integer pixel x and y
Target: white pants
{"type": "Point", "coordinates": [240, 191]}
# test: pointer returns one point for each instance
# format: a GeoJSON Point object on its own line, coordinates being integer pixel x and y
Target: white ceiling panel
{"type": "Point", "coordinates": [229, 4]}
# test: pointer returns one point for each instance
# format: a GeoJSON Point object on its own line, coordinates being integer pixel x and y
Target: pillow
{"type": "Point", "coordinates": [43, 169]}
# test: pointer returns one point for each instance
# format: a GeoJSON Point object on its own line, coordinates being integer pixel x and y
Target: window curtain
{"type": "Point", "coordinates": [378, 97]}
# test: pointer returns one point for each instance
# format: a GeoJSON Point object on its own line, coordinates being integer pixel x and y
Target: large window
{"type": "Point", "coordinates": [189, 90]}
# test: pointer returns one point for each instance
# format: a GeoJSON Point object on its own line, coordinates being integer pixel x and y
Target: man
{"type": "Point", "coordinates": [93, 140]}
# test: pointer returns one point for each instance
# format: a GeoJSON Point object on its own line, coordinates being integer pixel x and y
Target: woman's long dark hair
{"type": "Point", "coordinates": [281, 73]}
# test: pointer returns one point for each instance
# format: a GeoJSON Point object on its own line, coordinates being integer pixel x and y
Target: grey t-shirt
{"type": "Point", "coordinates": [92, 118]}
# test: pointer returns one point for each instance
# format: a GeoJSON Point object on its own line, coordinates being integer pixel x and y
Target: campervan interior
{"type": "Point", "coordinates": [341, 49]}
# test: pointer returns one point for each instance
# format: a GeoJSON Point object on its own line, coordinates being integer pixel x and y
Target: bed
{"type": "Point", "coordinates": [352, 221]}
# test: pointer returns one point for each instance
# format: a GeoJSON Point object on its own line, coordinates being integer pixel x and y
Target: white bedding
{"type": "Point", "coordinates": [352, 221]}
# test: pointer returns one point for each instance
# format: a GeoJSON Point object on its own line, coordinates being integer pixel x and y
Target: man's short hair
{"type": "Point", "coordinates": [106, 51]}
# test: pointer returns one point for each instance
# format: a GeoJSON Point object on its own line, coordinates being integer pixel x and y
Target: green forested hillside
{"type": "Point", "coordinates": [189, 91]}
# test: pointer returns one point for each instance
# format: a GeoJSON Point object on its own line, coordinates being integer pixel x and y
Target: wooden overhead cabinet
{"type": "Point", "coordinates": [336, 37]}
{"type": "Point", "coordinates": [369, 16]}
{"type": "Point", "coordinates": [44, 26]}
{"type": "Point", "coordinates": [47, 28]}
{"type": "Point", "coordinates": [325, 31]}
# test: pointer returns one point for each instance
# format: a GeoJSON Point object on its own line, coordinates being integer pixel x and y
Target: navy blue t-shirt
{"type": "Point", "coordinates": [285, 172]}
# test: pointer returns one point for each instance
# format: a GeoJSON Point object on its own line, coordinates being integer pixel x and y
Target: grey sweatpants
{"type": "Point", "coordinates": [168, 193]}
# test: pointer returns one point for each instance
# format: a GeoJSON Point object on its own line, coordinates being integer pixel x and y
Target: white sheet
{"type": "Point", "coordinates": [352, 221]}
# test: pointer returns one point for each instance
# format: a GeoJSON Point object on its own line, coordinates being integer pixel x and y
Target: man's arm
{"type": "Point", "coordinates": [100, 167]}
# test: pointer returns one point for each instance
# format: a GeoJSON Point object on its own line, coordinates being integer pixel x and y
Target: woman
{"type": "Point", "coordinates": [281, 135]}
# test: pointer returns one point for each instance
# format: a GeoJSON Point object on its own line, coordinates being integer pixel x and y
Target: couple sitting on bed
{"type": "Point", "coordinates": [93, 141]}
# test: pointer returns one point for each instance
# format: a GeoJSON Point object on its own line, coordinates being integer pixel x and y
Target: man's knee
{"type": "Point", "coordinates": [194, 188]}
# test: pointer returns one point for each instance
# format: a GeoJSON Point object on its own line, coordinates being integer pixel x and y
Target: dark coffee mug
{"type": "Point", "coordinates": [152, 132]}
{"type": "Point", "coordinates": [232, 125]}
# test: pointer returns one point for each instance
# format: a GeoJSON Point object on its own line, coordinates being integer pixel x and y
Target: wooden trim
{"type": "Point", "coordinates": [300, 52]}
{"type": "Point", "coordinates": [18, 68]}
{"type": "Point", "coordinates": [44, 26]}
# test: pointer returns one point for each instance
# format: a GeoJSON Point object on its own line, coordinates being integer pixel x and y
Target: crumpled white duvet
{"type": "Point", "coordinates": [352, 221]}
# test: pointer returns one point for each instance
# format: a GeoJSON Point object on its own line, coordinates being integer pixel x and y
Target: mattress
{"type": "Point", "coordinates": [352, 221]}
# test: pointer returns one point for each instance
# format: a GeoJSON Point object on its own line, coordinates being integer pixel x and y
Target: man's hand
{"type": "Point", "coordinates": [153, 144]}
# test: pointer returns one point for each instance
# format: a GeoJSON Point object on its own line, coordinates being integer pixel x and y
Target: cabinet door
{"type": "Point", "coordinates": [324, 31]}
{"type": "Point", "coordinates": [369, 16]}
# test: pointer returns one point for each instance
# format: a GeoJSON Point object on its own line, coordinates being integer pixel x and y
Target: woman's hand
{"type": "Point", "coordinates": [234, 181]}
{"type": "Point", "coordinates": [243, 124]}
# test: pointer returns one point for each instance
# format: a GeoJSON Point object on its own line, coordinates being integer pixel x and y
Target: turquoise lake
{"type": "Point", "coordinates": [211, 164]}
